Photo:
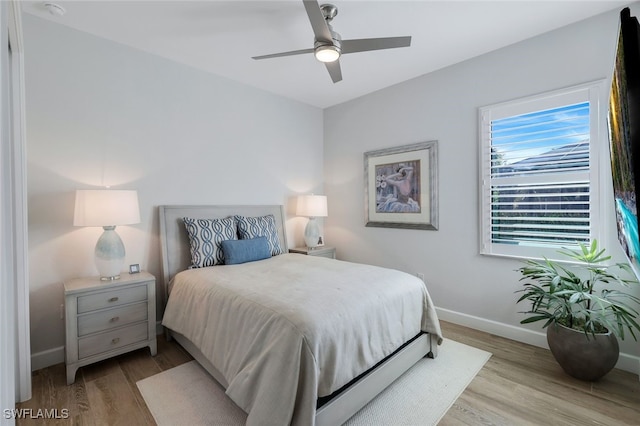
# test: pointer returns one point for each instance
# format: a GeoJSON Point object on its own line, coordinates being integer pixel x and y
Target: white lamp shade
{"type": "Point", "coordinates": [312, 206]}
{"type": "Point", "coordinates": [106, 207]}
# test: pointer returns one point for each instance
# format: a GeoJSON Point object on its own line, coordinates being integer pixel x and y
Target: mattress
{"type": "Point", "coordinates": [287, 330]}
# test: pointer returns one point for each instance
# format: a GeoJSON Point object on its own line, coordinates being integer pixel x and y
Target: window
{"type": "Point", "coordinates": [539, 165]}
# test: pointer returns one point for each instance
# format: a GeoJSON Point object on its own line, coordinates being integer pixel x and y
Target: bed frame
{"type": "Point", "coordinates": [346, 402]}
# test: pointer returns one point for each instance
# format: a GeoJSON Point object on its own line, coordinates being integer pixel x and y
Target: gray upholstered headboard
{"type": "Point", "coordinates": [174, 241]}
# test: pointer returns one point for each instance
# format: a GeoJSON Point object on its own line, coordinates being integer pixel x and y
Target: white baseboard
{"type": "Point", "coordinates": [47, 358]}
{"type": "Point", "coordinates": [626, 362]}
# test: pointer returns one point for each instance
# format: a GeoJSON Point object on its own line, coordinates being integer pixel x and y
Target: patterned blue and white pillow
{"type": "Point", "coordinates": [206, 237]}
{"type": "Point", "coordinates": [262, 226]}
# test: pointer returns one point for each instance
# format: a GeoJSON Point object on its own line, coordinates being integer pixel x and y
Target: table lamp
{"type": "Point", "coordinates": [312, 206]}
{"type": "Point", "coordinates": [107, 208]}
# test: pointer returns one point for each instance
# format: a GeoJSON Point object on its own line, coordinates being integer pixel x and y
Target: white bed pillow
{"type": "Point", "coordinates": [261, 226]}
{"type": "Point", "coordinates": [206, 237]}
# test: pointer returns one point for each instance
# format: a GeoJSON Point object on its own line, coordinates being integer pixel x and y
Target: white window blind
{"type": "Point", "coordinates": [537, 164]}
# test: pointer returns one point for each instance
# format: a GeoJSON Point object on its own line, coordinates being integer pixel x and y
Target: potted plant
{"type": "Point", "coordinates": [583, 318]}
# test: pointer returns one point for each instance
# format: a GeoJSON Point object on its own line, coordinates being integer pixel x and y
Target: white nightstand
{"type": "Point", "coordinates": [108, 318]}
{"type": "Point", "coordinates": [322, 251]}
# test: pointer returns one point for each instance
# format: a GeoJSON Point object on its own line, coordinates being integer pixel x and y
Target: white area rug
{"type": "Point", "coordinates": [188, 395]}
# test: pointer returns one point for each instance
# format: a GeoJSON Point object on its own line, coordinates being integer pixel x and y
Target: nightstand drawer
{"type": "Point", "coordinates": [321, 251]}
{"type": "Point", "coordinates": [329, 254]}
{"type": "Point", "coordinates": [107, 299]}
{"type": "Point", "coordinates": [112, 318]}
{"type": "Point", "coordinates": [104, 342]}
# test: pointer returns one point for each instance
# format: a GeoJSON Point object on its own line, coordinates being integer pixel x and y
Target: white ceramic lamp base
{"type": "Point", "coordinates": [311, 233]}
{"type": "Point", "coordinates": [109, 254]}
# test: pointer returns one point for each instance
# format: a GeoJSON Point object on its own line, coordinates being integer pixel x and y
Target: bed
{"type": "Point", "coordinates": [293, 339]}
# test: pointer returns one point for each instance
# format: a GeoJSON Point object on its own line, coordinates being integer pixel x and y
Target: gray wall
{"type": "Point", "coordinates": [100, 113]}
{"type": "Point", "coordinates": [467, 287]}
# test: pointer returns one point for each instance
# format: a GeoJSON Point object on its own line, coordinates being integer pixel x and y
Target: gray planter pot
{"type": "Point", "coordinates": [581, 357]}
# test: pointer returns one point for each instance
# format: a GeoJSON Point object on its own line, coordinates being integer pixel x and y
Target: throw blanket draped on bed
{"type": "Point", "coordinates": [289, 329]}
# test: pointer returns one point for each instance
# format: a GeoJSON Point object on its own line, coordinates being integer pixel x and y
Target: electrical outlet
{"type": "Point", "coordinates": [62, 311]}
{"type": "Point", "coordinates": [420, 275]}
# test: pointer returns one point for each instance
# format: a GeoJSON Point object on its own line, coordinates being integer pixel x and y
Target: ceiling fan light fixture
{"type": "Point", "coordinates": [328, 45]}
{"type": "Point", "coordinates": [327, 53]}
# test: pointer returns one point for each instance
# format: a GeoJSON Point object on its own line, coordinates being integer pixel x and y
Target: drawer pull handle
{"type": "Point", "coordinates": [114, 299]}
{"type": "Point", "coordinates": [114, 319]}
{"type": "Point", "coordinates": [114, 341]}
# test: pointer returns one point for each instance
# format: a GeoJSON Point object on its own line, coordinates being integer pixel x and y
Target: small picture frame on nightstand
{"type": "Point", "coordinates": [320, 241]}
{"type": "Point", "coordinates": [134, 269]}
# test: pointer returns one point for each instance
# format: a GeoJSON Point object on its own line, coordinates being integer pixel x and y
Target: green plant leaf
{"type": "Point", "coordinates": [534, 319]}
{"type": "Point", "coordinates": [571, 295]}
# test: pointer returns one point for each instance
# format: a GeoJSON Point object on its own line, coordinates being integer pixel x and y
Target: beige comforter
{"type": "Point", "coordinates": [289, 329]}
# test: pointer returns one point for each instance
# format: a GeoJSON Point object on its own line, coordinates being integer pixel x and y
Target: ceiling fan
{"type": "Point", "coordinates": [328, 45]}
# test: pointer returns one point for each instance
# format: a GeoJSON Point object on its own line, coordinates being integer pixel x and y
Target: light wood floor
{"type": "Point", "coordinates": [519, 385]}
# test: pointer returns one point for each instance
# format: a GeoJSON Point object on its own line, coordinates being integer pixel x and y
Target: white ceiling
{"type": "Point", "coordinates": [222, 36]}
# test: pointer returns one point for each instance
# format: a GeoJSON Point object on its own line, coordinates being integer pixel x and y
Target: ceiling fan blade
{"type": "Point", "coordinates": [278, 55]}
{"type": "Point", "coordinates": [319, 25]}
{"type": "Point", "coordinates": [334, 70]}
{"type": "Point", "coordinates": [365, 44]}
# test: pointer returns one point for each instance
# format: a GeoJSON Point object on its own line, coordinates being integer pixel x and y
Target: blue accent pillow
{"type": "Point", "coordinates": [243, 251]}
{"type": "Point", "coordinates": [262, 226]}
